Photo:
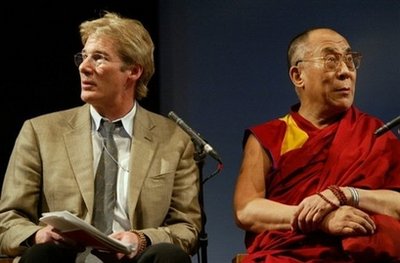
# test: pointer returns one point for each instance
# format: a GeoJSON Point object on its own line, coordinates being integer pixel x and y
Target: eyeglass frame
{"type": "Point", "coordinates": [356, 60]}
{"type": "Point", "coordinates": [81, 56]}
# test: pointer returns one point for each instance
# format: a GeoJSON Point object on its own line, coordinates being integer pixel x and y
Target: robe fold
{"type": "Point", "coordinates": [306, 160]}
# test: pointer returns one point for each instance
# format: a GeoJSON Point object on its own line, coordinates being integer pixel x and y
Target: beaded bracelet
{"type": "Point", "coordinates": [142, 245]}
{"type": "Point", "coordinates": [354, 196]}
{"type": "Point", "coordinates": [338, 193]}
{"type": "Point", "coordinates": [327, 200]}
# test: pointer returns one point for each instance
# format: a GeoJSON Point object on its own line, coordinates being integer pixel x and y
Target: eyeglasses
{"type": "Point", "coordinates": [332, 61]}
{"type": "Point", "coordinates": [96, 59]}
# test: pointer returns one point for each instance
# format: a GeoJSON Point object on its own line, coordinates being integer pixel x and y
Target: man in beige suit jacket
{"type": "Point", "coordinates": [54, 161]}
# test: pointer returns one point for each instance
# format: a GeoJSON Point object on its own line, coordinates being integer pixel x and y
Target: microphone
{"type": "Point", "coordinates": [195, 136]}
{"type": "Point", "coordinates": [387, 126]}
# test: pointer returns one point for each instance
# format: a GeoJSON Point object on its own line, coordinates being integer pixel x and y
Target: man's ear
{"type": "Point", "coordinates": [296, 76]}
{"type": "Point", "coordinates": [135, 72]}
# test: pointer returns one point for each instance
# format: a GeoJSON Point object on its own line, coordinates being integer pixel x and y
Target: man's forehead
{"type": "Point", "coordinates": [328, 42]}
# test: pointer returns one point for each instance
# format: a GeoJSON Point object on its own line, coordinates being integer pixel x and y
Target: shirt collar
{"type": "Point", "coordinates": [127, 120]}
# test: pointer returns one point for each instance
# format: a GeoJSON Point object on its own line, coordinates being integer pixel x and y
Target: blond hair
{"type": "Point", "coordinates": [133, 44]}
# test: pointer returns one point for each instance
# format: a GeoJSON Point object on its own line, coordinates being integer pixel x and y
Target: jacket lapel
{"type": "Point", "coordinates": [142, 153]}
{"type": "Point", "coordinates": [80, 153]}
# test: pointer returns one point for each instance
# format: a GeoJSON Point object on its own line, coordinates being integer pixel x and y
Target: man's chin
{"type": "Point", "coordinates": [88, 97]}
{"type": "Point", "coordinates": [344, 103]}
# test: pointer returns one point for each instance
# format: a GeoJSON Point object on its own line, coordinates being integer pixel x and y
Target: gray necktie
{"type": "Point", "coordinates": [106, 180]}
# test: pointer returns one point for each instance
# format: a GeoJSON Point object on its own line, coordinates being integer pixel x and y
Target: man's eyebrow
{"type": "Point", "coordinates": [328, 50]}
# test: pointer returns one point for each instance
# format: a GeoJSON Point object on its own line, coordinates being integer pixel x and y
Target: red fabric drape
{"type": "Point", "coordinates": [345, 154]}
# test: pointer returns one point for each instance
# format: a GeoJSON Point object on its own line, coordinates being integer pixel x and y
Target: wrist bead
{"type": "Point", "coordinates": [142, 242]}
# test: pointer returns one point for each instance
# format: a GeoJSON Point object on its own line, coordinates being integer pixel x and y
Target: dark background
{"type": "Point", "coordinates": [220, 65]}
{"type": "Point", "coordinates": [39, 41]}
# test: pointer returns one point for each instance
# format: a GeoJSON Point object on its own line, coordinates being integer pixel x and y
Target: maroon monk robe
{"type": "Point", "coordinates": [345, 154]}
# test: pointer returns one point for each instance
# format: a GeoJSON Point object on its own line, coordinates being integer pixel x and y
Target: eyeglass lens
{"type": "Point", "coordinates": [352, 61]}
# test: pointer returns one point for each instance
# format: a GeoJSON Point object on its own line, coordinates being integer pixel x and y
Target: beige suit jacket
{"type": "Point", "coordinates": [51, 169]}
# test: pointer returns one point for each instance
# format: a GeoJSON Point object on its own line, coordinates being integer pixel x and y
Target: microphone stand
{"type": "Point", "coordinates": [199, 157]}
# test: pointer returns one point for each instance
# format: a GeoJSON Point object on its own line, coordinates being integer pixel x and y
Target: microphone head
{"type": "Point", "coordinates": [173, 116]}
{"type": "Point", "coordinates": [387, 126]}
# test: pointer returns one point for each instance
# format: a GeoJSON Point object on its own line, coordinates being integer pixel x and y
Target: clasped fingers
{"type": "Point", "coordinates": [309, 213]}
{"type": "Point", "coordinates": [348, 220]}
